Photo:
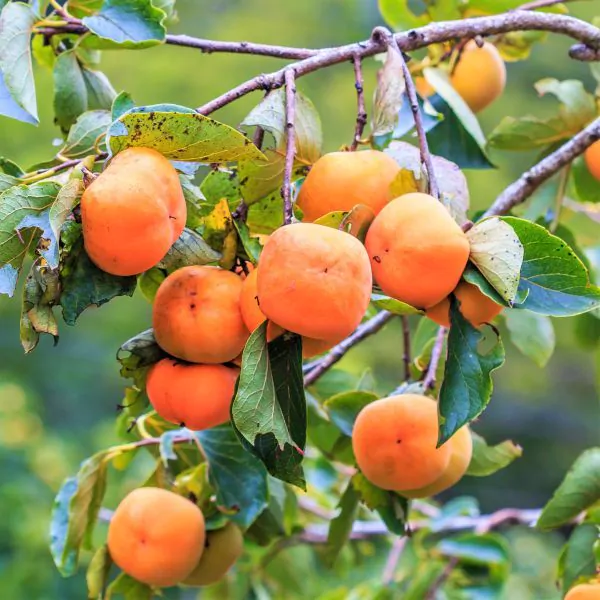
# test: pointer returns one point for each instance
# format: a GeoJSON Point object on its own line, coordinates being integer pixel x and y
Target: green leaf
{"type": "Point", "coordinates": [22, 209]}
{"type": "Point", "coordinates": [17, 88]}
{"type": "Point", "coordinates": [239, 479]}
{"type": "Point", "coordinates": [270, 115]}
{"type": "Point", "coordinates": [186, 136]}
{"type": "Point", "coordinates": [532, 334]}
{"type": "Point", "coordinates": [138, 352]}
{"type": "Point", "coordinates": [251, 245]}
{"type": "Point", "coordinates": [84, 8]}
{"type": "Point", "coordinates": [394, 306]}
{"type": "Point", "coordinates": [517, 45]}
{"type": "Point", "coordinates": [269, 409]}
{"type": "Point", "coordinates": [121, 104]}
{"type": "Point", "coordinates": [458, 137]}
{"type": "Point", "coordinates": [70, 92]}
{"type": "Point", "coordinates": [128, 24]}
{"type": "Point", "coordinates": [128, 588]}
{"type": "Point", "coordinates": [527, 133]}
{"type": "Point", "coordinates": [11, 168]}
{"type": "Point", "coordinates": [219, 232]}
{"type": "Point", "coordinates": [84, 284]}
{"type": "Point", "coordinates": [577, 559]}
{"type": "Point", "coordinates": [486, 460]}
{"type": "Point", "coordinates": [97, 573]}
{"type": "Point", "coordinates": [100, 92]}
{"type": "Point", "coordinates": [398, 15]}
{"type": "Point", "coordinates": [266, 215]}
{"type": "Point", "coordinates": [85, 133]}
{"type": "Point", "coordinates": [577, 107]}
{"type": "Point", "coordinates": [75, 512]}
{"type": "Point", "coordinates": [258, 178]}
{"type": "Point", "coordinates": [467, 386]}
{"type": "Point", "coordinates": [579, 490]}
{"type": "Point", "coordinates": [149, 282]}
{"type": "Point", "coordinates": [585, 185]}
{"type": "Point", "coordinates": [497, 253]}
{"type": "Point", "coordinates": [389, 94]}
{"type": "Point", "coordinates": [68, 197]}
{"type": "Point", "coordinates": [555, 280]}
{"type": "Point", "coordinates": [219, 184]}
{"type": "Point", "coordinates": [489, 550]}
{"type": "Point", "coordinates": [341, 525]}
{"type": "Point", "coordinates": [344, 408]}
{"type": "Point", "coordinates": [188, 249]}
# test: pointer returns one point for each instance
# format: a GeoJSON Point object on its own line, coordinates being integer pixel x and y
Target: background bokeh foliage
{"type": "Point", "coordinates": [58, 405]}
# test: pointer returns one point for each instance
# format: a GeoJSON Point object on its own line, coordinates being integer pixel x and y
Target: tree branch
{"type": "Point", "coordinates": [406, 347]}
{"type": "Point", "coordinates": [393, 558]}
{"type": "Point", "coordinates": [290, 145]}
{"type": "Point", "coordinates": [540, 4]}
{"type": "Point", "coordinates": [361, 112]}
{"type": "Point", "coordinates": [436, 355]}
{"type": "Point", "coordinates": [320, 367]}
{"type": "Point", "coordinates": [441, 579]}
{"type": "Point", "coordinates": [518, 191]}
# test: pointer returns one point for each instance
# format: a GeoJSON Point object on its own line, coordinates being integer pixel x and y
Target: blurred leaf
{"type": "Point", "coordinates": [86, 133]}
{"type": "Point", "coordinates": [405, 182]}
{"type": "Point", "coordinates": [266, 215]}
{"type": "Point", "coordinates": [128, 588]}
{"type": "Point", "coordinates": [84, 284]}
{"type": "Point", "coordinates": [168, 7]}
{"type": "Point", "coordinates": [556, 281]}
{"type": "Point", "coordinates": [70, 92]}
{"type": "Point", "coordinates": [121, 104]}
{"type": "Point", "coordinates": [83, 8]}
{"type": "Point", "coordinates": [20, 207]}
{"type": "Point", "coordinates": [220, 233]}
{"type": "Point", "coordinates": [41, 50]}
{"type": "Point", "coordinates": [577, 558]}
{"type": "Point", "coordinates": [398, 15]}
{"type": "Point", "coordinates": [394, 306]}
{"type": "Point", "coordinates": [344, 408]}
{"type": "Point", "coordinates": [489, 550]}
{"type": "Point", "coordinates": [577, 107]}
{"type": "Point", "coordinates": [127, 24]}
{"type": "Point", "coordinates": [341, 525]}
{"type": "Point", "coordinates": [458, 137]}
{"type": "Point", "coordinates": [269, 409]}
{"type": "Point", "coordinates": [579, 490]}
{"type": "Point", "coordinates": [166, 446]}
{"type": "Point", "coordinates": [188, 249]}
{"type": "Point", "coordinates": [467, 386]}
{"type": "Point", "coordinates": [97, 573]}
{"type": "Point", "coordinates": [17, 85]}
{"type": "Point", "coordinates": [270, 115]}
{"type": "Point", "coordinates": [517, 45]}
{"type": "Point", "coordinates": [7, 181]}
{"type": "Point", "coordinates": [394, 513]}
{"type": "Point", "coordinates": [186, 136]}
{"type": "Point", "coordinates": [497, 253]}
{"type": "Point", "coordinates": [486, 460]}
{"type": "Point", "coordinates": [372, 496]}
{"type": "Point", "coordinates": [389, 94]}
{"type": "Point", "coordinates": [585, 185]}
{"type": "Point", "coordinates": [149, 282]}
{"type": "Point", "coordinates": [10, 168]}
{"type": "Point", "coordinates": [239, 479]}
{"type": "Point", "coordinates": [75, 512]}
{"type": "Point", "coordinates": [532, 334]}
{"type": "Point", "coordinates": [258, 178]}
{"type": "Point", "coordinates": [527, 133]}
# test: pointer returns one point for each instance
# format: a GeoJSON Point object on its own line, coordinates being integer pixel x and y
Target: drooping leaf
{"type": "Point", "coordinates": [389, 94]}
{"type": "Point", "coordinates": [127, 24]}
{"type": "Point", "coordinates": [344, 408]}
{"type": "Point", "coordinates": [97, 573]}
{"type": "Point", "coordinates": [555, 280]}
{"type": "Point", "coordinates": [240, 479]}
{"type": "Point", "coordinates": [577, 559]}
{"type": "Point", "coordinates": [394, 306]}
{"type": "Point", "coordinates": [527, 133]}
{"type": "Point", "coordinates": [188, 249]}
{"type": "Point", "coordinates": [219, 232]}
{"type": "Point", "coordinates": [186, 136]}
{"type": "Point", "coordinates": [486, 460]}
{"type": "Point", "coordinates": [100, 92]}
{"type": "Point", "coordinates": [68, 196]}
{"type": "Point", "coordinates": [497, 253]}
{"type": "Point", "coordinates": [579, 490]}
{"type": "Point", "coordinates": [467, 386]}
{"type": "Point", "coordinates": [258, 178]}
{"type": "Point", "coordinates": [86, 134]}
{"type": "Point", "coordinates": [251, 245]}
{"type": "Point", "coordinates": [17, 86]}
{"type": "Point", "coordinates": [340, 527]}
{"type": "Point", "coordinates": [70, 92]}
{"type": "Point", "coordinates": [122, 103]}
{"type": "Point", "coordinates": [128, 588]}
{"type": "Point", "coordinates": [532, 334]}
{"type": "Point", "coordinates": [149, 282]}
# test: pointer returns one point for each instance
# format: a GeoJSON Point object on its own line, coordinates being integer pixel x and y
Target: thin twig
{"type": "Point", "coordinates": [436, 355]}
{"type": "Point", "coordinates": [361, 112]}
{"type": "Point", "coordinates": [290, 145]}
{"type": "Point", "coordinates": [393, 558]}
{"type": "Point", "coordinates": [45, 173]}
{"type": "Point", "coordinates": [337, 352]}
{"type": "Point", "coordinates": [406, 359]}
{"type": "Point", "coordinates": [523, 187]}
{"type": "Point", "coordinates": [426, 161]}
{"type": "Point", "coordinates": [439, 581]}
{"type": "Point", "coordinates": [540, 4]}
{"type": "Point", "coordinates": [259, 137]}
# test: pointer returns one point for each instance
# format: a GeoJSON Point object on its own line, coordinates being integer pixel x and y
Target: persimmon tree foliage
{"type": "Point", "coordinates": [258, 251]}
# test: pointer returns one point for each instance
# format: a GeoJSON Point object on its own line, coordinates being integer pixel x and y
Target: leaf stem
{"type": "Point", "coordinates": [290, 145]}
{"type": "Point", "coordinates": [361, 112]}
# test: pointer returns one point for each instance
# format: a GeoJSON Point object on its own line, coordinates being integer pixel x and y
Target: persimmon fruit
{"type": "Point", "coordinates": [418, 253]}
{"type": "Point", "coordinates": [475, 306]}
{"type": "Point", "coordinates": [196, 315]}
{"type": "Point", "coordinates": [133, 212]}
{"type": "Point", "coordinates": [341, 180]}
{"type": "Point", "coordinates": [592, 159]}
{"type": "Point", "coordinates": [221, 550]}
{"type": "Point", "coordinates": [314, 280]}
{"type": "Point", "coordinates": [584, 591]}
{"type": "Point", "coordinates": [394, 441]}
{"type": "Point", "coordinates": [191, 395]}
{"type": "Point", "coordinates": [480, 75]}
{"type": "Point", "coordinates": [156, 536]}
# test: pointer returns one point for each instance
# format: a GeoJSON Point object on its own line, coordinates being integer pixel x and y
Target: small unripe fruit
{"type": "Point", "coordinates": [156, 536]}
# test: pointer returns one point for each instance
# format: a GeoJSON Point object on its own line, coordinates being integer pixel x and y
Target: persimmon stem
{"type": "Point", "coordinates": [290, 145]}
{"type": "Point", "coordinates": [361, 112]}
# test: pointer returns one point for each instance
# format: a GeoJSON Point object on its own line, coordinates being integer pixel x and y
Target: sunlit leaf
{"type": "Point", "coordinates": [486, 460]}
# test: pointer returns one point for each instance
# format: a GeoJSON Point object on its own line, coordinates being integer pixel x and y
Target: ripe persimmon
{"type": "Point", "coordinates": [461, 450]}
{"type": "Point", "coordinates": [394, 441]}
{"type": "Point", "coordinates": [253, 317]}
{"type": "Point", "coordinates": [418, 252]}
{"type": "Point", "coordinates": [341, 180]}
{"type": "Point", "coordinates": [480, 75]}
{"type": "Point", "coordinates": [475, 306]}
{"type": "Point", "coordinates": [584, 591]}
{"type": "Point", "coordinates": [133, 212]}
{"type": "Point", "coordinates": [221, 550]}
{"type": "Point", "coordinates": [314, 280]}
{"type": "Point", "coordinates": [191, 395]}
{"type": "Point", "coordinates": [196, 315]}
{"type": "Point", "coordinates": [156, 536]}
{"type": "Point", "coordinates": [592, 159]}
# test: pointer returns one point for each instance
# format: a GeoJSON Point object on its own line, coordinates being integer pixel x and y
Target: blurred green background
{"type": "Point", "coordinates": [57, 406]}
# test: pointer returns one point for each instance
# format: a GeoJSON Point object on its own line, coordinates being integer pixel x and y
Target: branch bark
{"type": "Point", "coordinates": [436, 355]}
{"type": "Point", "coordinates": [290, 145]}
{"type": "Point", "coordinates": [518, 191]}
{"type": "Point", "coordinates": [361, 112]}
